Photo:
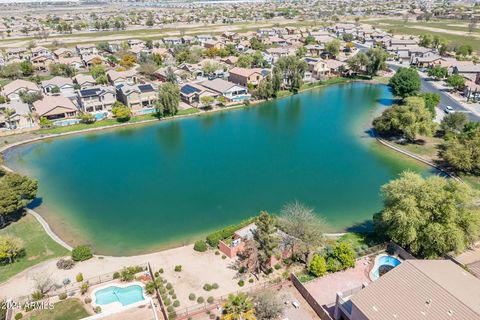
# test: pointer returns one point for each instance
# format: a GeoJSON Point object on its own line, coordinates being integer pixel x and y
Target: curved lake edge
{"type": "Point", "coordinates": [165, 246]}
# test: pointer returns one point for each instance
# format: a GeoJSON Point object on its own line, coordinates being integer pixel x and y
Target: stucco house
{"type": "Point", "coordinates": [65, 86]}
{"type": "Point", "coordinates": [96, 99]}
{"type": "Point", "coordinates": [137, 97]}
{"type": "Point", "coordinates": [230, 90]}
{"type": "Point", "coordinates": [246, 76]}
{"type": "Point", "coordinates": [13, 89]}
{"type": "Point", "coordinates": [55, 107]}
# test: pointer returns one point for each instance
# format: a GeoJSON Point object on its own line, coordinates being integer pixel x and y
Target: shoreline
{"type": "Point", "coordinates": [165, 246]}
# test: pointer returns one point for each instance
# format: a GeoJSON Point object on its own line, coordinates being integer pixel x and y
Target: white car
{"type": "Point", "coordinates": [448, 109]}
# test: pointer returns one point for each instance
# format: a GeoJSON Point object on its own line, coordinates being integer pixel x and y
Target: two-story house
{"type": "Point", "coordinates": [96, 99]}
{"type": "Point", "coordinates": [137, 97]}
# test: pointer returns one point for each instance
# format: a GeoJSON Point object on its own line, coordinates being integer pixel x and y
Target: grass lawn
{"type": "Point", "coordinates": [428, 149]}
{"type": "Point", "coordinates": [38, 246]}
{"type": "Point", "coordinates": [472, 181]}
{"type": "Point", "coordinates": [187, 111]}
{"type": "Point", "coordinates": [71, 309]}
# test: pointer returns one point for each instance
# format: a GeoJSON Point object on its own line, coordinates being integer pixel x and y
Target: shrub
{"type": "Point", "coordinates": [162, 290]}
{"type": "Point", "coordinates": [174, 296]}
{"type": "Point", "coordinates": [79, 277]}
{"type": "Point", "coordinates": [224, 257]}
{"type": "Point", "coordinates": [167, 301]}
{"type": "Point", "coordinates": [150, 287]}
{"type": "Point", "coordinates": [161, 270]}
{"type": "Point", "coordinates": [211, 316]}
{"type": "Point", "coordinates": [191, 296]}
{"type": "Point", "coordinates": [65, 264]}
{"type": "Point", "coordinates": [215, 286]}
{"type": "Point", "coordinates": [171, 292]}
{"type": "Point", "coordinates": [62, 296]}
{"type": "Point", "coordinates": [88, 300]}
{"type": "Point", "coordinates": [250, 280]}
{"type": "Point", "coordinates": [169, 286]}
{"type": "Point", "coordinates": [170, 309]}
{"type": "Point", "coordinates": [156, 274]}
{"type": "Point", "coordinates": [84, 288]}
{"type": "Point", "coordinates": [200, 300]}
{"type": "Point", "coordinates": [207, 287]}
{"type": "Point", "coordinates": [176, 303]}
{"type": "Point", "coordinates": [242, 269]}
{"type": "Point", "coordinates": [210, 300]}
{"type": "Point", "coordinates": [178, 268]}
{"type": "Point", "coordinates": [97, 309]}
{"type": "Point", "coordinates": [81, 253]}
{"type": "Point", "coordinates": [37, 295]}
{"type": "Point", "coordinates": [318, 266]}
{"type": "Point", "coordinates": [116, 275]}
{"type": "Point", "coordinates": [200, 246]}
{"type": "Point", "coordinates": [241, 283]}
{"type": "Point", "coordinates": [18, 316]}
{"type": "Point", "coordinates": [278, 266]}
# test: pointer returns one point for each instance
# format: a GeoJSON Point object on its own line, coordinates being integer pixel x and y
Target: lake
{"type": "Point", "coordinates": [137, 189]}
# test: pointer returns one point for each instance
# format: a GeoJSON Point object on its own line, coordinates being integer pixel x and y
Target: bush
{"type": "Point", "coordinates": [65, 264]}
{"type": "Point", "coordinates": [161, 270]}
{"type": "Point", "coordinates": [217, 253]}
{"type": "Point", "coordinates": [278, 266]}
{"type": "Point", "coordinates": [210, 300]}
{"type": "Point", "coordinates": [170, 309]}
{"type": "Point", "coordinates": [81, 253]}
{"type": "Point", "coordinates": [250, 280]}
{"type": "Point", "coordinates": [169, 286]}
{"type": "Point", "coordinates": [62, 296]}
{"type": "Point", "coordinates": [215, 286]}
{"type": "Point", "coordinates": [79, 277]}
{"type": "Point", "coordinates": [176, 303]}
{"type": "Point", "coordinates": [167, 301]}
{"type": "Point", "coordinates": [150, 287]}
{"type": "Point", "coordinates": [318, 266]}
{"type": "Point", "coordinates": [97, 309]}
{"type": "Point", "coordinates": [207, 287]}
{"type": "Point", "coordinates": [84, 288]}
{"type": "Point", "coordinates": [200, 246]}
{"type": "Point", "coordinates": [37, 295]}
{"type": "Point", "coordinates": [88, 300]}
{"type": "Point", "coordinates": [121, 112]}
{"type": "Point", "coordinates": [241, 283]}
{"type": "Point", "coordinates": [178, 268]}
{"type": "Point", "coordinates": [211, 316]}
{"type": "Point", "coordinates": [156, 274]}
{"type": "Point", "coordinates": [18, 316]}
{"type": "Point", "coordinates": [200, 300]}
{"type": "Point", "coordinates": [116, 275]}
{"type": "Point", "coordinates": [191, 296]}
{"type": "Point", "coordinates": [224, 257]}
{"type": "Point", "coordinates": [171, 292]}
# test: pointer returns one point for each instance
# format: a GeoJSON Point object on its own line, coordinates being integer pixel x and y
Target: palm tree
{"type": "Point", "coordinates": [238, 307]}
{"type": "Point", "coordinates": [8, 113]}
{"type": "Point", "coordinates": [31, 116]}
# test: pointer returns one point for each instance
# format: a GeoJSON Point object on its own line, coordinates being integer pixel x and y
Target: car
{"type": "Point", "coordinates": [448, 109]}
{"type": "Point", "coordinates": [296, 304]}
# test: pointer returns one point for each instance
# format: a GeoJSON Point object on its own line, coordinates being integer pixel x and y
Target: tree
{"type": "Point", "coordinates": [27, 68]}
{"type": "Point", "coordinates": [358, 62]}
{"type": "Point", "coordinates": [305, 226]}
{"type": "Point", "coordinates": [97, 70]}
{"type": "Point", "coordinates": [408, 120]}
{"type": "Point", "coordinates": [238, 307]}
{"type": "Point", "coordinates": [291, 69]}
{"type": "Point", "coordinates": [244, 61]}
{"type": "Point", "coordinates": [264, 89]}
{"type": "Point", "coordinates": [431, 99]}
{"type": "Point", "coordinates": [128, 61]}
{"type": "Point", "coordinates": [249, 258]}
{"type": "Point", "coordinates": [310, 40]}
{"type": "Point", "coordinates": [81, 253]}
{"type": "Point", "coordinates": [206, 101]}
{"type": "Point", "coordinates": [102, 79]}
{"type": "Point", "coordinates": [462, 151]}
{"type": "Point", "coordinates": [170, 76]}
{"type": "Point", "coordinates": [168, 99]}
{"type": "Point", "coordinates": [376, 61]}
{"type": "Point", "coordinates": [318, 266]}
{"type": "Point", "coordinates": [16, 192]}
{"type": "Point", "coordinates": [10, 248]}
{"type": "Point", "coordinates": [464, 50]}
{"type": "Point", "coordinates": [456, 81]}
{"type": "Point", "coordinates": [265, 237]}
{"type": "Point", "coordinates": [45, 123]}
{"type": "Point", "coordinates": [333, 47]}
{"type": "Point", "coordinates": [438, 72]}
{"type": "Point", "coordinates": [12, 71]}
{"type": "Point", "coordinates": [426, 40]}
{"type": "Point", "coordinates": [148, 69]}
{"type": "Point", "coordinates": [121, 111]}
{"type": "Point", "coordinates": [87, 118]}
{"type": "Point", "coordinates": [344, 253]}
{"type": "Point", "coordinates": [430, 217]}
{"type": "Point", "coordinates": [43, 282]}
{"type": "Point", "coordinates": [454, 122]}
{"type": "Point", "coordinates": [406, 82]}
{"type": "Point", "coordinates": [347, 37]}
{"type": "Point", "coordinates": [268, 305]}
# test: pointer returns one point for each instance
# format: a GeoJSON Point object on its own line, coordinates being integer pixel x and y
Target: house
{"type": "Point", "coordinates": [65, 87]}
{"type": "Point", "coordinates": [19, 119]}
{"type": "Point", "coordinates": [40, 51]}
{"type": "Point", "coordinates": [202, 38]}
{"type": "Point", "coordinates": [317, 67]}
{"type": "Point", "coordinates": [402, 42]}
{"type": "Point", "coordinates": [86, 49]}
{"type": "Point", "coordinates": [84, 81]}
{"type": "Point", "coordinates": [64, 53]}
{"type": "Point", "coordinates": [91, 60]}
{"type": "Point", "coordinates": [231, 247]}
{"type": "Point", "coordinates": [136, 43]}
{"type": "Point", "coordinates": [17, 53]}
{"type": "Point", "coordinates": [216, 44]}
{"type": "Point", "coordinates": [122, 77]}
{"type": "Point", "coordinates": [192, 93]}
{"type": "Point", "coordinates": [137, 97]}
{"type": "Point", "coordinates": [74, 62]}
{"type": "Point", "coordinates": [55, 107]}
{"type": "Point", "coordinates": [416, 289]}
{"type": "Point", "coordinates": [13, 89]}
{"type": "Point", "coordinates": [266, 32]}
{"type": "Point", "coordinates": [427, 61]}
{"type": "Point", "coordinates": [95, 99]}
{"type": "Point", "coordinates": [41, 62]}
{"type": "Point", "coordinates": [172, 41]}
{"type": "Point", "coordinates": [469, 72]}
{"type": "Point", "coordinates": [229, 90]}
{"type": "Point", "coordinates": [245, 76]}
{"type": "Point", "coordinates": [277, 53]}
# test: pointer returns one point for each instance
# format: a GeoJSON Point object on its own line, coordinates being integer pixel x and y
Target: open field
{"type": "Point", "coordinates": [451, 30]}
{"type": "Point", "coordinates": [38, 246]}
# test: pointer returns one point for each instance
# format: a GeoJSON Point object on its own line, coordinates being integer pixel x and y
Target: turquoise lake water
{"type": "Point", "coordinates": [137, 189]}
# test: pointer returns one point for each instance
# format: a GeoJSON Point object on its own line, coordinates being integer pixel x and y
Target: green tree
{"type": "Point", "coordinates": [454, 122]}
{"type": "Point", "coordinates": [10, 248]}
{"type": "Point", "coordinates": [244, 61]}
{"type": "Point", "coordinates": [377, 58]}
{"type": "Point", "coordinates": [464, 50]}
{"type": "Point", "coordinates": [27, 68]}
{"type": "Point", "coordinates": [333, 47]}
{"type": "Point", "coordinates": [462, 151]}
{"type": "Point", "coordinates": [344, 253]}
{"type": "Point", "coordinates": [238, 307]}
{"type": "Point", "coordinates": [406, 82]}
{"type": "Point", "coordinates": [265, 237]}
{"type": "Point", "coordinates": [304, 226]}
{"type": "Point", "coordinates": [318, 266]}
{"type": "Point", "coordinates": [438, 72]}
{"type": "Point", "coordinates": [45, 123]}
{"type": "Point", "coordinates": [121, 112]}
{"type": "Point", "coordinates": [358, 62]}
{"type": "Point", "coordinates": [430, 217]}
{"type": "Point", "coordinates": [292, 69]}
{"type": "Point", "coordinates": [168, 99]}
{"type": "Point", "coordinates": [81, 253]}
{"type": "Point", "coordinates": [97, 71]}
{"type": "Point", "coordinates": [456, 81]}
{"type": "Point", "coordinates": [431, 99]}
{"type": "Point", "coordinates": [426, 40]}
{"type": "Point", "coordinates": [12, 71]}
{"type": "Point", "coordinates": [207, 101]}
{"type": "Point", "coordinates": [310, 40]}
{"type": "Point", "coordinates": [264, 89]}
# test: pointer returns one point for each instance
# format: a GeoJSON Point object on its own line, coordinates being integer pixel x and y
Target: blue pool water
{"type": "Point", "coordinates": [385, 262]}
{"type": "Point", "coordinates": [101, 116]}
{"type": "Point", "coordinates": [125, 296]}
{"type": "Point", "coordinates": [66, 122]}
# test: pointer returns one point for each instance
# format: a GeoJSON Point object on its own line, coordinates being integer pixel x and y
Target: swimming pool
{"type": "Point", "coordinates": [66, 122]}
{"type": "Point", "coordinates": [101, 115]}
{"type": "Point", "coordinates": [383, 264]}
{"type": "Point", "coordinates": [123, 295]}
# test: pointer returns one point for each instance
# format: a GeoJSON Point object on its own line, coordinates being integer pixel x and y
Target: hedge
{"type": "Point", "coordinates": [227, 232]}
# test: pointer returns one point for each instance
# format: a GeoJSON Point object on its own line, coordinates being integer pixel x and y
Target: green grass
{"type": "Point", "coordinates": [472, 181]}
{"type": "Point", "coordinates": [38, 246]}
{"type": "Point", "coordinates": [283, 93]}
{"type": "Point", "coordinates": [187, 111]}
{"type": "Point", "coordinates": [71, 309]}
{"type": "Point", "coordinates": [428, 148]}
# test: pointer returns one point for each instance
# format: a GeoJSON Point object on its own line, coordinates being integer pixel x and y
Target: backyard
{"type": "Point", "coordinates": [71, 309]}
